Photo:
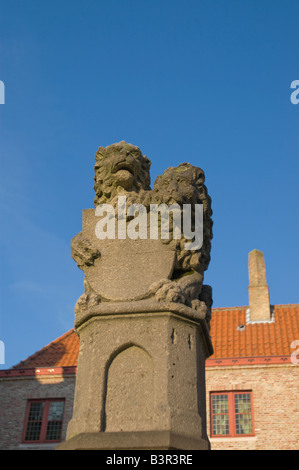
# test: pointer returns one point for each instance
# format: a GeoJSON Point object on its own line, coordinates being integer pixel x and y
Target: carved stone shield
{"type": "Point", "coordinates": [126, 268]}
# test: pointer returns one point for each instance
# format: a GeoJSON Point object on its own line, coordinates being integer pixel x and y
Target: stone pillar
{"type": "Point", "coordinates": [259, 303]}
{"type": "Point", "coordinates": [141, 378]}
{"type": "Point", "coordinates": [143, 320]}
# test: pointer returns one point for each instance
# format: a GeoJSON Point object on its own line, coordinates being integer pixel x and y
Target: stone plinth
{"type": "Point", "coordinates": [141, 378]}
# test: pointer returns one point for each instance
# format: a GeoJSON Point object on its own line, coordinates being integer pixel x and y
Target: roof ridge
{"type": "Point", "coordinates": [286, 305]}
{"type": "Point", "coordinates": [40, 351]}
{"type": "Point", "coordinates": [238, 307]}
{"type": "Point", "coordinates": [230, 308]}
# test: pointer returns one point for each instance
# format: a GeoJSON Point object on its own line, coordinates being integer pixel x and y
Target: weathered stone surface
{"type": "Point", "coordinates": [141, 372]}
{"type": "Point", "coordinates": [117, 273]}
{"type": "Point", "coordinates": [120, 168]}
{"type": "Point", "coordinates": [143, 440]}
{"type": "Point", "coordinates": [129, 401]}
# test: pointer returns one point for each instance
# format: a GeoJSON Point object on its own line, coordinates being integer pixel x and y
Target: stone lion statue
{"type": "Point", "coordinates": [121, 169]}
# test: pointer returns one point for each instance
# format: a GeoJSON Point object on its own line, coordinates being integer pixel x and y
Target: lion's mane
{"type": "Point", "coordinates": [110, 159]}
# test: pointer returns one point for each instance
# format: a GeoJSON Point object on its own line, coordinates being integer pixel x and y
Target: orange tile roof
{"type": "Point", "coordinates": [63, 352]}
{"type": "Point", "coordinates": [229, 341]}
{"type": "Point", "coordinates": [256, 339]}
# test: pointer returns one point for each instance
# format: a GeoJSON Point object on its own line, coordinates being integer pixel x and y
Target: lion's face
{"type": "Point", "coordinates": [120, 167]}
{"type": "Point", "coordinates": [182, 185]}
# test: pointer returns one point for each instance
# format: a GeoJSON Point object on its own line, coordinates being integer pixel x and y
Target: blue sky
{"type": "Point", "coordinates": [205, 81]}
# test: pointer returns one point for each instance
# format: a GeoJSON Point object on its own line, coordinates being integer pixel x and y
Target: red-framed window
{"type": "Point", "coordinates": [231, 414]}
{"type": "Point", "coordinates": [43, 420]}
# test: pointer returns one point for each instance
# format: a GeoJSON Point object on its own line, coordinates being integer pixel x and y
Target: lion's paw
{"type": "Point", "coordinates": [169, 291]}
{"type": "Point", "coordinates": [200, 306]}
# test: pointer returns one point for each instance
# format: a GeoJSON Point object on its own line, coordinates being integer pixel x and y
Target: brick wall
{"type": "Point", "coordinates": [14, 393]}
{"type": "Point", "coordinates": [275, 404]}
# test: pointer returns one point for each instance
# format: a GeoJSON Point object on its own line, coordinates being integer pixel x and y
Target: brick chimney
{"type": "Point", "coordinates": [259, 303]}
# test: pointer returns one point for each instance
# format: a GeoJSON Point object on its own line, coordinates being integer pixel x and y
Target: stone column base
{"type": "Point", "coordinates": [139, 440]}
{"type": "Point", "coordinates": [141, 378]}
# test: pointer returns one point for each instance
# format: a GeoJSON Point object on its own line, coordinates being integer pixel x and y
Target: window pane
{"type": "Point", "coordinates": [56, 411]}
{"type": "Point", "coordinates": [220, 425]}
{"type": "Point", "coordinates": [36, 411]}
{"type": "Point", "coordinates": [33, 431]}
{"type": "Point", "coordinates": [243, 424]}
{"type": "Point", "coordinates": [220, 404]}
{"type": "Point", "coordinates": [242, 403]}
{"type": "Point", "coordinates": [53, 431]}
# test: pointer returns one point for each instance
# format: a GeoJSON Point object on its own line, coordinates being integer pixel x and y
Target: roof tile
{"type": "Point", "coordinates": [256, 339]}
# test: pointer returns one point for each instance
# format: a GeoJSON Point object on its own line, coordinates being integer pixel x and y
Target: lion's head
{"type": "Point", "coordinates": [184, 184]}
{"type": "Point", "coordinates": [120, 168]}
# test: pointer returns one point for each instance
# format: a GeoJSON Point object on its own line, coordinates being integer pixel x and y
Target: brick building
{"type": "Point", "coordinates": [251, 380]}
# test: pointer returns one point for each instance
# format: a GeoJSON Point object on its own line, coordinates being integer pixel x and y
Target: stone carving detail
{"type": "Point", "coordinates": [122, 170]}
